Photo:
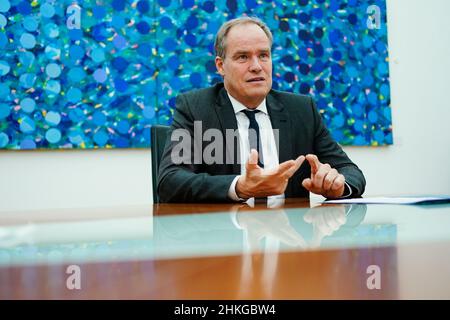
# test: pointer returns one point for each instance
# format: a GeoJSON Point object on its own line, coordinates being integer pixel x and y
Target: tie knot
{"type": "Point", "coordinates": [250, 113]}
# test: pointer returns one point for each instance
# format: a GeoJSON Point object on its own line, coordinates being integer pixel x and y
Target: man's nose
{"type": "Point", "coordinates": [254, 65]}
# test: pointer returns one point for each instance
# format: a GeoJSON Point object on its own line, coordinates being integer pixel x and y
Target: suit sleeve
{"type": "Point", "coordinates": [185, 182]}
{"type": "Point", "coordinates": [329, 151]}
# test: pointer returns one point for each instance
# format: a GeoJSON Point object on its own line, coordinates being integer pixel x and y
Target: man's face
{"type": "Point", "coordinates": [247, 67]}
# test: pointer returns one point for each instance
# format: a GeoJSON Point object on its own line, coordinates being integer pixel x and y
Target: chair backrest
{"type": "Point", "coordinates": [159, 134]}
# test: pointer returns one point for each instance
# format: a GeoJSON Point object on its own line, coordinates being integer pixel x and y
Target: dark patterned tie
{"type": "Point", "coordinates": [254, 135]}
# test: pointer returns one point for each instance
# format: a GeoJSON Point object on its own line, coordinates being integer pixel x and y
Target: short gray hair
{"type": "Point", "coordinates": [221, 37]}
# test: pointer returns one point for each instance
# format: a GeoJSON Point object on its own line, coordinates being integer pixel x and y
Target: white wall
{"type": "Point", "coordinates": [418, 162]}
{"type": "Point", "coordinates": [72, 179]}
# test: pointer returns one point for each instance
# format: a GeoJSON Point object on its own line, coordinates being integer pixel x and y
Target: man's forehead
{"type": "Point", "coordinates": [247, 37]}
{"type": "Point", "coordinates": [247, 31]}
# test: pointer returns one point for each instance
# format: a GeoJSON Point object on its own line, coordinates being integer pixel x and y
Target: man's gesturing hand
{"type": "Point", "coordinates": [258, 182]}
{"type": "Point", "coordinates": [324, 180]}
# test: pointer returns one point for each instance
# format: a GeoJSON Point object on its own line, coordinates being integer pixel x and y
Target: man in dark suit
{"type": "Point", "coordinates": [275, 132]}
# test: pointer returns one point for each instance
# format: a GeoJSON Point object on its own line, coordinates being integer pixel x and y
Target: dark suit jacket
{"type": "Point", "coordinates": [301, 131]}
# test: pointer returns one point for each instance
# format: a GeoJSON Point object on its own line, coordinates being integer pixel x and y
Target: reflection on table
{"type": "Point", "coordinates": [284, 249]}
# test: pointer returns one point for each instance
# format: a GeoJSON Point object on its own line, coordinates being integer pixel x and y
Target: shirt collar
{"type": "Point", "coordinates": [238, 107]}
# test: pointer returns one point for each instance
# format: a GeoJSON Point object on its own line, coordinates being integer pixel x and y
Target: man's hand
{"type": "Point", "coordinates": [258, 182]}
{"type": "Point", "coordinates": [324, 180]}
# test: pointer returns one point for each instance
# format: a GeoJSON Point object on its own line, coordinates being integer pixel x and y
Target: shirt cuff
{"type": "Point", "coordinates": [232, 191]}
{"type": "Point", "coordinates": [347, 191]}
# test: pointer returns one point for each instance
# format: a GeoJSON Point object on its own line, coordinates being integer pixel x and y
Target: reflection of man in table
{"type": "Point", "coordinates": [258, 237]}
{"type": "Point", "coordinates": [245, 102]}
{"type": "Point", "coordinates": [245, 230]}
{"type": "Point", "coordinates": [305, 229]}
{"type": "Point", "coordinates": [265, 232]}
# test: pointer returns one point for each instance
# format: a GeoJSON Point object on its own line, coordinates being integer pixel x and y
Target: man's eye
{"type": "Point", "coordinates": [242, 57]}
{"type": "Point", "coordinates": [264, 56]}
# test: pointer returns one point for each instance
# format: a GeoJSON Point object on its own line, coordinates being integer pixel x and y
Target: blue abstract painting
{"type": "Point", "coordinates": [99, 73]}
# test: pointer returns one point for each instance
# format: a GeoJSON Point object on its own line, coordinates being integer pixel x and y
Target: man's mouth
{"type": "Point", "coordinates": [256, 79]}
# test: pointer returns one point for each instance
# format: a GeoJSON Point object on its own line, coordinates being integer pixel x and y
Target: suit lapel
{"type": "Point", "coordinates": [227, 119]}
{"type": "Point", "coordinates": [279, 118]}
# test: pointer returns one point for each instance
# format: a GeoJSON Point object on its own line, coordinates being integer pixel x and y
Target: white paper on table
{"type": "Point", "coordinates": [394, 200]}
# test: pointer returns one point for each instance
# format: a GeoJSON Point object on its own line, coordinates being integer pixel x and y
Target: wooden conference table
{"type": "Point", "coordinates": [291, 250]}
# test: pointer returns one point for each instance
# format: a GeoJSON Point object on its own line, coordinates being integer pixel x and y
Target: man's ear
{"type": "Point", "coordinates": [219, 66]}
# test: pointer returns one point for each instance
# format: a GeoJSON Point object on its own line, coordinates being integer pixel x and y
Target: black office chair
{"type": "Point", "coordinates": [159, 134]}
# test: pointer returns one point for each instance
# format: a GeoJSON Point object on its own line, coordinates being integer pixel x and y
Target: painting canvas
{"type": "Point", "coordinates": [99, 73]}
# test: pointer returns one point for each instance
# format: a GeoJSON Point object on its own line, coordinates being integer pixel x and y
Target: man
{"type": "Point", "coordinates": [246, 103]}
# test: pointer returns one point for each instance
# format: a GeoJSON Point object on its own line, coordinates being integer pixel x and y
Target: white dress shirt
{"type": "Point", "coordinates": [269, 147]}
